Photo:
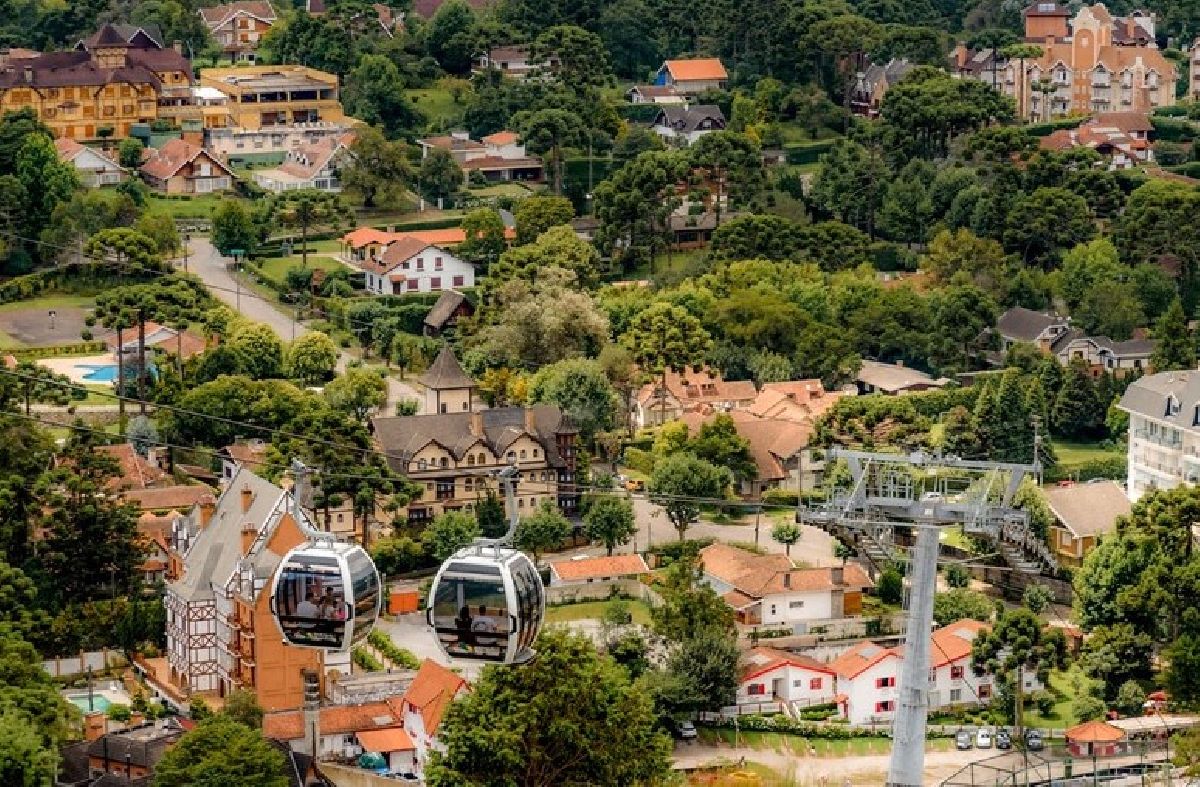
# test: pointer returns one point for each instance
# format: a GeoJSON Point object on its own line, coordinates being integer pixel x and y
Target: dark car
{"type": "Point", "coordinates": [1003, 739]}
{"type": "Point", "coordinates": [963, 740]}
{"type": "Point", "coordinates": [1034, 740]}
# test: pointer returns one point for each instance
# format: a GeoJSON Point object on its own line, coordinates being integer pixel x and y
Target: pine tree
{"type": "Point", "coordinates": [1174, 347]}
{"type": "Point", "coordinates": [1036, 402]}
{"type": "Point", "coordinates": [987, 417]}
{"type": "Point", "coordinates": [1077, 412]}
{"type": "Point", "coordinates": [1013, 441]}
{"type": "Point", "coordinates": [1051, 375]}
{"type": "Point", "coordinates": [959, 436]}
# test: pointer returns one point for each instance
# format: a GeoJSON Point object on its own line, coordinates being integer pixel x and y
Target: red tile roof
{"type": "Point", "coordinates": [218, 15]}
{"type": "Point", "coordinates": [432, 691]}
{"type": "Point", "coordinates": [757, 576]}
{"type": "Point", "coordinates": [165, 162]}
{"type": "Point", "coordinates": [761, 660]}
{"type": "Point", "coordinates": [180, 497]}
{"type": "Point", "coordinates": [133, 471]}
{"type": "Point", "coordinates": [364, 236]}
{"type": "Point", "coordinates": [384, 741]}
{"type": "Point", "coordinates": [1095, 732]}
{"type": "Point", "coordinates": [700, 68]}
{"type": "Point", "coordinates": [500, 138]}
{"type": "Point", "coordinates": [860, 658]}
{"type": "Point", "coordinates": [599, 567]}
{"type": "Point", "coordinates": [953, 642]}
{"type": "Point", "coordinates": [335, 720]}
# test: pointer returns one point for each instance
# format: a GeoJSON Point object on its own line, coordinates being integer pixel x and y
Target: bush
{"type": "Point", "coordinates": [1044, 701]}
{"type": "Point", "coordinates": [365, 660]}
{"type": "Point", "coordinates": [639, 460]}
{"type": "Point", "coordinates": [807, 152]}
{"type": "Point", "coordinates": [397, 655]}
{"type": "Point", "coordinates": [891, 586]}
{"type": "Point", "coordinates": [670, 552]}
{"type": "Point", "coordinates": [802, 728]}
{"type": "Point", "coordinates": [119, 712]}
{"type": "Point", "coordinates": [87, 347]}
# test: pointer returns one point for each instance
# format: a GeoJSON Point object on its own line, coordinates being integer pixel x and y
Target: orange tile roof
{"type": "Point", "coordinates": [757, 576]}
{"type": "Point", "coordinates": [1095, 732]}
{"type": "Point", "coordinates": [133, 472]}
{"type": "Point", "coordinates": [432, 691]}
{"type": "Point", "coordinates": [598, 567]}
{"type": "Point", "coordinates": [738, 600]}
{"type": "Point", "coordinates": [180, 497]}
{"type": "Point", "coordinates": [384, 741]}
{"type": "Point", "coordinates": [335, 720]}
{"type": "Point", "coordinates": [762, 659]}
{"type": "Point", "coordinates": [953, 642]}
{"type": "Point", "coordinates": [860, 658]}
{"type": "Point", "coordinates": [449, 236]}
{"type": "Point", "coordinates": [67, 148]}
{"type": "Point", "coordinates": [700, 68]}
{"type": "Point", "coordinates": [165, 162]}
{"type": "Point", "coordinates": [501, 138]}
{"type": "Point", "coordinates": [248, 453]}
{"type": "Point", "coordinates": [364, 236]}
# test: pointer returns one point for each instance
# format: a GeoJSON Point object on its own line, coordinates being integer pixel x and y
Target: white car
{"type": "Point", "coordinates": [983, 738]}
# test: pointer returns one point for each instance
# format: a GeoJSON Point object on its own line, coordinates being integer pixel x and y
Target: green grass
{"type": "Point", "coordinates": [187, 208]}
{"type": "Point", "coordinates": [276, 268]}
{"type": "Point", "coordinates": [953, 536]}
{"type": "Point", "coordinates": [1061, 716]}
{"type": "Point", "coordinates": [675, 262]}
{"type": "Point", "coordinates": [807, 747]}
{"type": "Point", "coordinates": [437, 106]}
{"type": "Point", "coordinates": [50, 302]}
{"type": "Point", "coordinates": [594, 610]}
{"type": "Point", "coordinates": [515, 190]}
{"type": "Point", "coordinates": [1071, 454]}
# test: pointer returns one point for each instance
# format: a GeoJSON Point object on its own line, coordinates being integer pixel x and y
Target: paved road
{"type": "Point", "coordinates": [208, 264]}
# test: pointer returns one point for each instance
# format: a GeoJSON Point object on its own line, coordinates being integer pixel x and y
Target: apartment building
{"type": "Point", "coordinates": [239, 27]}
{"type": "Point", "coordinates": [455, 453]}
{"type": "Point", "coordinates": [221, 635]}
{"type": "Point", "coordinates": [262, 97]}
{"type": "Point", "coordinates": [1164, 432]}
{"type": "Point", "coordinates": [1090, 62]}
{"type": "Point", "coordinates": [112, 80]}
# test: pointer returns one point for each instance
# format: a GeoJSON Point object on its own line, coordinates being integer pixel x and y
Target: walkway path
{"type": "Point", "coordinates": [208, 264]}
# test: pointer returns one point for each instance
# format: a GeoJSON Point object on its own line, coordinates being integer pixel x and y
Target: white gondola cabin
{"type": "Point", "coordinates": [326, 595]}
{"type": "Point", "coordinates": [487, 604]}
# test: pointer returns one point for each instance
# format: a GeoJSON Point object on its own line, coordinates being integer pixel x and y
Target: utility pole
{"type": "Point", "coordinates": [141, 360]}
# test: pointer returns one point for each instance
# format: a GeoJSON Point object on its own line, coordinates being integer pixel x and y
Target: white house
{"type": "Point", "coordinates": [767, 589]}
{"type": "Point", "coordinates": [655, 94]}
{"type": "Point", "coordinates": [93, 166]}
{"type": "Point", "coordinates": [1164, 431]}
{"type": "Point", "coordinates": [413, 265]}
{"type": "Point", "coordinates": [310, 165]}
{"type": "Point", "coordinates": [682, 125]}
{"type": "Point", "coordinates": [770, 674]}
{"type": "Point", "coordinates": [583, 570]}
{"type": "Point", "coordinates": [867, 677]}
{"type": "Point", "coordinates": [424, 705]}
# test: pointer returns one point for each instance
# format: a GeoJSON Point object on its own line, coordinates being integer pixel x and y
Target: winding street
{"type": "Point", "coordinates": [207, 263]}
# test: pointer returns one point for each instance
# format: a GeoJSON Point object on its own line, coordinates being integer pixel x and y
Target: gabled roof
{"type": "Point", "coordinates": [1088, 509]}
{"type": "Point", "coordinates": [307, 160]}
{"type": "Point", "coordinates": [687, 119]}
{"type": "Point", "coordinates": [400, 250]}
{"type": "Point", "coordinates": [165, 162]}
{"type": "Point", "coordinates": [447, 304]}
{"type": "Point", "coordinates": [859, 658]}
{"type": "Point", "coordinates": [700, 68]}
{"type": "Point", "coordinates": [953, 642]}
{"type": "Point", "coordinates": [364, 236]}
{"type": "Point", "coordinates": [433, 689]}
{"type": "Point", "coordinates": [692, 387]}
{"type": "Point", "coordinates": [134, 472]}
{"type": "Point", "coordinates": [1026, 325]}
{"type": "Point", "coordinates": [217, 16]}
{"type": "Point", "coordinates": [386, 740]}
{"type": "Point", "coordinates": [758, 576]}
{"type": "Point", "coordinates": [599, 567]}
{"type": "Point", "coordinates": [446, 373]}
{"type": "Point", "coordinates": [892, 377]}
{"type": "Point", "coordinates": [68, 150]}
{"type": "Point", "coordinates": [180, 497]}
{"type": "Point", "coordinates": [334, 720]}
{"type": "Point", "coordinates": [501, 138]}
{"type": "Point", "coordinates": [761, 660]}
{"type": "Point", "coordinates": [403, 436]}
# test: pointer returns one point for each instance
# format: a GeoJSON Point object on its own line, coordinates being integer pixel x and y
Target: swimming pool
{"type": "Point", "coordinates": [98, 702]}
{"type": "Point", "coordinates": [99, 373]}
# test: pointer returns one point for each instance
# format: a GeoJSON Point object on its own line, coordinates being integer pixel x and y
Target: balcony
{"type": "Point", "coordinates": [1159, 439]}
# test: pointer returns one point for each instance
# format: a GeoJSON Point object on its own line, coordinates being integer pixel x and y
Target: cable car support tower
{"type": "Point", "coordinates": [924, 493]}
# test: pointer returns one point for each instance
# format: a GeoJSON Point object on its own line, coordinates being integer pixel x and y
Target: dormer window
{"type": "Point", "coordinates": [1196, 416]}
{"type": "Point", "coordinates": [445, 463]}
{"type": "Point", "coordinates": [1172, 405]}
{"type": "Point", "coordinates": [422, 464]}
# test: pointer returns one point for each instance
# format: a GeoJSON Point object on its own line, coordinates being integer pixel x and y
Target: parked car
{"type": "Point", "coordinates": [687, 731]}
{"type": "Point", "coordinates": [983, 738]}
{"type": "Point", "coordinates": [1034, 740]}
{"type": "Point", "coordinates": [962, 740]}
{"type": "Point", "coordinates": [635, 485]}
{"type": "Point", "coordinates": [1003, 739]}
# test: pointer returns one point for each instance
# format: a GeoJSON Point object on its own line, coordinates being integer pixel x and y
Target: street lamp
{"type": "Point", "coordinates": [187, 239]}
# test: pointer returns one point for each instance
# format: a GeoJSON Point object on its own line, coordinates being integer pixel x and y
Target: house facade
{"type": "Point", "coordinates": [872, 84]}
{"type": "Point", "coordinates": [1083, 514]}
{"type": "Point", "coordinates": [221, 635]}
{"type": "Point", "coordinates": [683, 125]}
{"type": "Point", "coordinates": [424, 705]}
{"type": "Point", "coordinates": [94, 167]}
{"type": "Point", "coordinates": [514, 62]}
{"type": "Point", "coordinates": [179, 167]}
{"type": "Point", "coordinates": [239, 27]}
{"type": "Point", "coordinates": [892, 379]}
{"type": "Point", "coordinates": [455, 454]}
{"type": "Point", "coordinates": [773, 675]}
{"type": "Point", "coordinates": [1122, 139]}
{"type": "Point", "coordinates": [690, 77]}
{"type": "Point", "coordinates": [111, 81]}
{"type": "Point", "coordinates": [1164, 432]}
{"type": "Point", "coordinates": [655, 94]}
{"type": "Point", "coordinates": [668, 397]}
{"type": "Point", "coordinates": [585, 570]}
{"type": "Point", "coordinates": [1090, 62]}
{"type": "Point", "coordinates": [413, 265]}
{"type": "Point", "coordinates": [1054, 335]}
{"type": "Point", "coordinates": [497, 157]}
{"type": "Point", "coordinates": [309, 165]}
{"type": "Point", "coordinates": [264, 98]}
{"type": "Point", "coordinates": [769, 590]}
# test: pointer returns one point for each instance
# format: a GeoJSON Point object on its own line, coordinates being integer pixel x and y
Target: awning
{"type": "Point", "coordinates": [387, 740]}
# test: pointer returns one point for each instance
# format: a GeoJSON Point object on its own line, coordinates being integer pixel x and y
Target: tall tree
{"type": "Point", "coordinates": [666, 338]}
{"type": "Point", "coordinates": [233, 227]}
{"type": "Point", "coordinates": [439, 176]}
{"type": "Point", "coordinates": [579, 387]}
{"type": "Point", "coordinates": [1174, 347]}
{"type": "Point", "coordinates": [1078, 412]}
{"type": "Point", "coordinates": [307, 209]}
{"type": "Point", "coordinates": [610, 521]}
{"type": "Point", "coordinates": [634, 203]}
{"type": "Point", "coordinates": [681, 483]}
{"type": "Point", "coordinates": [378, 169]}
{"type": "Point", "coordinates": [375, 94]}
{"type": "Point", "coordinates": [570, 716]}
{"type": "Point", "coordinates": [222, 751]}
{"type": "Point", "coordinates": [538, 213]}
{"type": "Point", "coordinates": [544, 529]}
{"type": "Point", "coordinates": [547, 132]}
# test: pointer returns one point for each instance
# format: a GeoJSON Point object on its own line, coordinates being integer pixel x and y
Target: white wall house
{"type": "Point", "coordinates": [94, 167]}
{"type": "Point", "coordinates": [413, 265]}
{"type": "Point", "coordinates": [1164, 431]}
{"type": "Point", "coordinates": [424, 705]}
{"type": "Point", "coordinates": [867, 678]}
{"type": "Point", "coordinates": [769, 674]}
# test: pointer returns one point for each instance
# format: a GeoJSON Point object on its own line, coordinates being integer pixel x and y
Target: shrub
{"type": "Point", "coordinates": [639, 460]}
{"type": "Point", "coordinates": [397, 655]}
{"type": "Point", "coordinates": [1044, 701]}
{"type": "Point", "coordinates": [671, 551]}
{"type": "Point", "coordinates": [365, 660]}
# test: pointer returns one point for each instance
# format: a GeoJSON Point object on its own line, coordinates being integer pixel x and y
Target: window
{"type": "Point", "coordinates": [470, 460]}
{"type": "Point", "coordinates": [932, 675]}
{"type": "Point", "coordinates": [887, 706]}
{"type": "Point", "coordinates": [421, 464]}
{"type": "Point", "coordinates": [412, 284]}
{"type": "Point", "coordinates": [795, 605]}
{"type": "Point", "coordinates": [482, 459]}
{"type": "Point", "coordinates": [756, 689]}
{"type": "Point", "coordinates": [772, 609]}
{"type": "Point", "coordinates": [458, 281]}
{"type": "Point", "coordinates": [883, 683]}
{"type": "Point", "coordinates": [467, 482]}
{"type": "Point", "coordinates": [443, 407]}
{"type": "Point", "coordinates": [435, 283]}
{"type": "Point", "coordinates": [535, 453]}
{"type": "Point", "coordinates": [420, 264]}
{"type": "Point", "coordinates": [445, 463]}
{"type": "Point", "coordinates": [985, 691]}
{"type": "Point", "coordinates": [522, 453]}
{"type": "Point", "coordinates": [437, 263]}
{"type": "Point", "coordinates": [956, 673]}
{"type": "Point", "coordinates": [511, 455]}
{"type": "Point", "coordinates": [815, 684]}
{"type": "Point", "coordinates": [956, 695]}
{"type": "Point", "coordinates": [520, 502]}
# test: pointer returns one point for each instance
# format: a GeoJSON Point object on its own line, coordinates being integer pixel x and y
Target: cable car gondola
{"type": "Point", "coordinates": [326, 593]}
{"type": "Point", "coordinates": [487, 601]}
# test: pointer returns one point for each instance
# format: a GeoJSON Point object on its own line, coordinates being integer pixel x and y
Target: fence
{"type": "Point", "coordinates": [1143, 762]}
{"type": "Point", "coordinates": [748, 709]}
{"type": "Point", "coordinates": [601, 591]}
{"type": "Point", "coordinates": [1013, 583]}
{"type": "Point", "coordinates": [96, 661]}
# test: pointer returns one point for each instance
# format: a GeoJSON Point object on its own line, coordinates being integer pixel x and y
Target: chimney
{"type": "Point", "coordinates": [837, 575]}
{"type": "Point", "coordinates": [530, 421]}
{"type": "Point", "coordinates": [93, 725]}
{"type": "Point", "coordinates": [477, 424]}
{"type": "Point", "coordinates": [207, 507]}
{"type": "Point", "coordinates": [177, 46]}
{"type": "Point", "coordinates": [787, 579]}
{"type": "Point", "coordinates": [312, 712]}
{"type": "Point", "coordinates": [137, 719]}
{"type": "Point", "coordinates": [249, 533]}
{"type": "Point", "coordinates": [247, 498]}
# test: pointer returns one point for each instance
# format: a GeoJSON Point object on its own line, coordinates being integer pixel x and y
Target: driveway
{"type": "Point", "coordinates": [208, 264]}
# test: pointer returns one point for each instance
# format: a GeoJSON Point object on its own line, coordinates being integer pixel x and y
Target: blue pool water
{"type": "Point", "coordinates": [81, 701]}
{"type": "Point", "coordinates": [100, 373]}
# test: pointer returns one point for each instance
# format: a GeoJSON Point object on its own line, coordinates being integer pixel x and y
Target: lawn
{"type": "Point", "coordinates": [1072, 454]}
{"type": "Point", "coordinates": [187, 208]}
{"type": "Point", "coordinates": [675, 262]}
{"type": "Point", "coordinates": [437, 106]}
{"type": "Point", "coordinates": [1062, 716]}
{"type": "Point", "coordinates": [810, 747]}
{"type": "Point", "coordinates": [594, 610]}
{"type": "Point", "coordinates": [276, 268]}
{"type": "Point", "coordinates": [48, 302]}
{"type": "Point", "coordinates": [514, 190]}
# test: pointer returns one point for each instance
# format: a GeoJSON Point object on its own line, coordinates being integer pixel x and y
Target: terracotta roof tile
{"type": "Point", "coordinates": [385, 741]}
{"type": "Point", "coordinates": [165, 162]}
{"type": "Point", "coordinates": [432, 691]}
{"type": "Point", "coordinates": [500, 138]}
{"type": "Point", "coordinates": [953, 642]}
{"type": "Point", "coordinates": [1095, 732]}
{"type": "Point", "coordinates": [757, 576]}
{"type": "Point", "coordinates": [364, 236]}
{"type": "Point", "coordinates": [700, 68]}
{"type": "Point", "coordinates": [762, 659]}
{"type": "Point", "coordinates": [335, 720]}
{"type": "Point", "coordinates": [599, 567]}
{"type": "Point", "coordinates": [859, 658]}
{"type": "Point", "coordinates": [133, 472]}
{"type": "Point", "coordinates": [217, 16]}
{"type": "Point", "coordinates": [180, 497]}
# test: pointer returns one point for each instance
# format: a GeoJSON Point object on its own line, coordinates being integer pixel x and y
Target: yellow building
{"type": "Point", "coordinates": [266, 96]}
{"type": "Point", "coordinates": [109, 82]}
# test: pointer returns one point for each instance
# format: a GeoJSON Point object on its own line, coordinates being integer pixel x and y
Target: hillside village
{"type": "Point", "coordinates": [635, 392]}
